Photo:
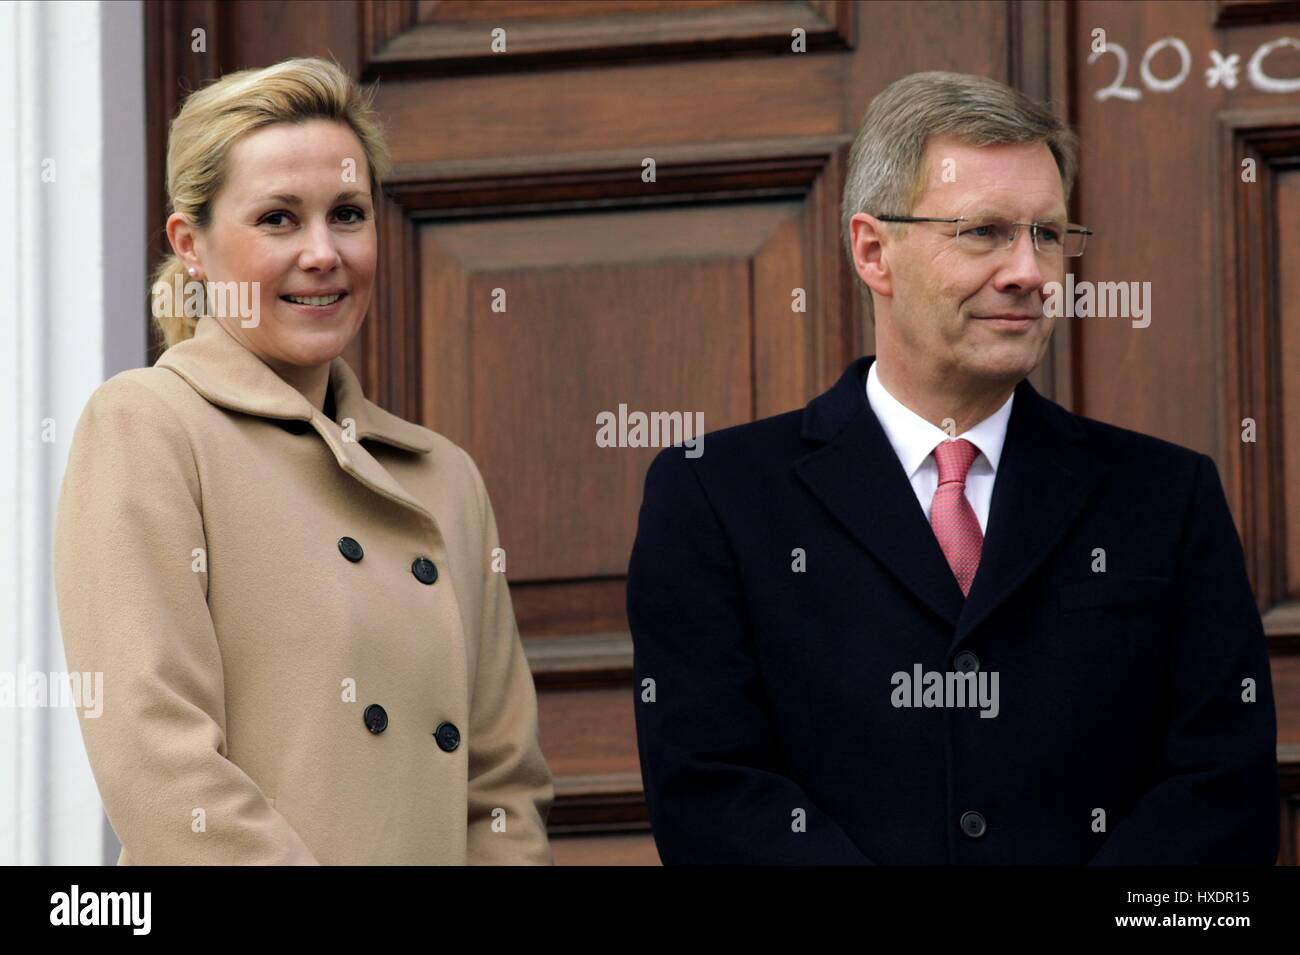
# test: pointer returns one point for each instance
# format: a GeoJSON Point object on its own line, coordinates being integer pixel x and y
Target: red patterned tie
{"type": "Point", "coordinates": [953, 519]}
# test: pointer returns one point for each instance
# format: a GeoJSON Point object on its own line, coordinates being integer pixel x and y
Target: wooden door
{"type": "Point", "coordinates": [1190, 125]}
{"type": "Point", "coordinates": [636, 204]}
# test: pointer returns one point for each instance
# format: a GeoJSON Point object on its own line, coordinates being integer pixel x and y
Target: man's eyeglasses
{"type": "Point", "coordinates": [978, 236]}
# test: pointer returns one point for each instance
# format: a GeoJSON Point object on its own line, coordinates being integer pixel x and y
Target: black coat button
{"type": "Point", "coordinates": [375, 718]}
{"type": "Point", "coordinates": [973, 824]}
{"type": "Point", "coordinates": [350, 549]}
{"type": "Point", "coordinates": [295, 426]}
{"type": "Point", "coordinates": [966, 662]}
{"type": "Point", "coordinates": [447, 735]}
{"type": "Point", "coordinates": [424, 570]}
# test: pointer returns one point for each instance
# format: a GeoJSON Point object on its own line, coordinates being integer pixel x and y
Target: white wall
{"type": "Point", "coordinates": [72, 307]}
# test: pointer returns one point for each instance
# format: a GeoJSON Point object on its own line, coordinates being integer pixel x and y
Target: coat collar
{"type": "Point", "coordinates": [227, 374]}
{"type": "Point", "coordinates": [1044, 478]}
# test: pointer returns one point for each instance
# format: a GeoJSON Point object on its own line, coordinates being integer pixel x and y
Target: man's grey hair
{"type": "Point", "coordinates": [885, 174]}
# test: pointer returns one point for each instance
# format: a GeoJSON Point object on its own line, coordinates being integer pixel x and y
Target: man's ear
{"type": "Point", "coordinates": [869, 242]}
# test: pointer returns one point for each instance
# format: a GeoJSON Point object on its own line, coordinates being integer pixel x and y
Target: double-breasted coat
{"type": "Point", "coordinates": [309, 654]}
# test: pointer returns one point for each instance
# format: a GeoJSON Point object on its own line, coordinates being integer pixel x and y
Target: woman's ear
{"type": "Point", "coordinates": [183, 237]}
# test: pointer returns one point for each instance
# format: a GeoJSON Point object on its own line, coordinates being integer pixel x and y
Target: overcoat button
{"type": "Point", "coordinates": [966, 662]}
{"type": "Point", "coordinates": [375, 718]}
{"type": "Point", "coordinates": [296, 426]}
{"type": "Point", "coordinates": [448, 736]}
{"type": "Point", "coordinates": [350, 549]}
{"type": "Point", "coordinates": [973, 824]}
{"type": "Point", "coordinates": [424, 570]}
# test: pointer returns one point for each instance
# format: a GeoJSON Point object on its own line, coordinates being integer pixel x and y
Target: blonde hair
{"type": "Point", "coordinates": [886, 175]}
{"type": "Point", "coordinates": [218, 115]}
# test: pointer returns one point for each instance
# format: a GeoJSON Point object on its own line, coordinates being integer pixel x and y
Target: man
{"type": "Point", "coordinates": [933, 617]}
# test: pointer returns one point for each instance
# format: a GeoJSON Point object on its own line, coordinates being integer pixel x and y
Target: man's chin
{"type": "Point", "coordinates": [1006, 363]}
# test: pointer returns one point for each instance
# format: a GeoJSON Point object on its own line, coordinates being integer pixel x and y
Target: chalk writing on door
{"type": "Point", "coordinates": [1222, 71]}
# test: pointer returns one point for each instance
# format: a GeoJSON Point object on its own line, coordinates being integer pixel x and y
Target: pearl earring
{"type": "Point", "coordinates": [193, 270]}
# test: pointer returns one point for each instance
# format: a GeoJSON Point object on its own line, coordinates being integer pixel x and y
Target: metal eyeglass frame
{"type": "Point", "coordinates": [1015, 230]}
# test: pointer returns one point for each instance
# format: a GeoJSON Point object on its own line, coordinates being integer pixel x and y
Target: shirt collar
{"type": "Point", "coordinates": [914, 439]}
{"type": "Point", "coordinates": [227, 374]}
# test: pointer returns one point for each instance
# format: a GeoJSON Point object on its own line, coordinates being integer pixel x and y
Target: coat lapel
{"type": "Point", "coordinates": [227, 374]}
{"type": "Point", "coordinates": [1043, 479]}
{"type": "Point", "coordinates": [858, 478]}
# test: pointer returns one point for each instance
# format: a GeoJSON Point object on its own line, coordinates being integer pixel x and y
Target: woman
{"type": "Point", "coordinates": [308, 654]}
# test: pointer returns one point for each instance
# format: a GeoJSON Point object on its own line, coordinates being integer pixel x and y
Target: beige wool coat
{"type": "Point", "coordinates": [308, 655]}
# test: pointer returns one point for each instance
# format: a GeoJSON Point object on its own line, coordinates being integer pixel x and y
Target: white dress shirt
{"type": "Point", "coordinates": [914, 440]}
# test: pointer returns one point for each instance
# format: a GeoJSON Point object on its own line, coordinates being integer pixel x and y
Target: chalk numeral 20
{"type": "Point", "coordinates": [1118, 90]}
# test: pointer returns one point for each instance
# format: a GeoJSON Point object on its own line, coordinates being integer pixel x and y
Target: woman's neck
{"type": "Point", "coordinates": [312, 382]}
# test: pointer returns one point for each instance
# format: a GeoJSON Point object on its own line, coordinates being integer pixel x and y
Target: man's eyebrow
{"type": "Point", "coordinates": [291, 200]}
{"type": "Point", "coordinates": [1052, 216]}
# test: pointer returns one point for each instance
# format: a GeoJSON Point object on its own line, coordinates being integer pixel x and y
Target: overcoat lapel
{"type": "Point", "coordinates": [1044, 477]}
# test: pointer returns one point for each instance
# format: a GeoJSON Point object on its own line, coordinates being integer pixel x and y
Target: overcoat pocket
{"type": "Point", "coordinates": [1113, 592]}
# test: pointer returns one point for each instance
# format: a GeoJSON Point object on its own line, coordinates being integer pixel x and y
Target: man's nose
{"type": "Point", "coordinates": [1022, 266]}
